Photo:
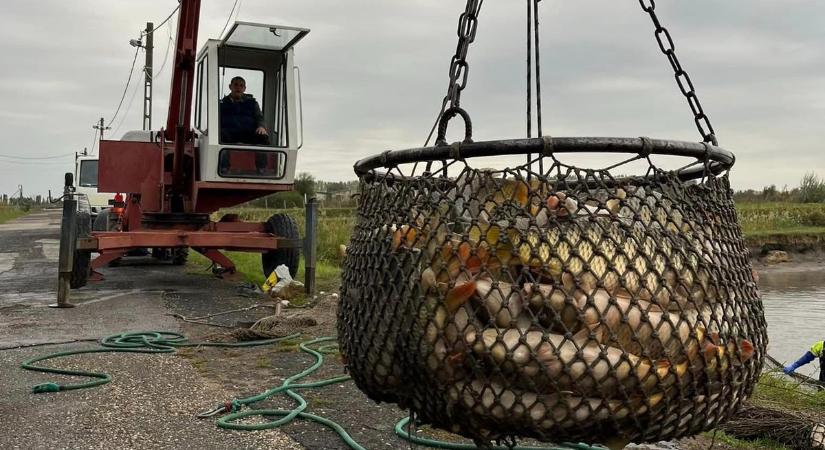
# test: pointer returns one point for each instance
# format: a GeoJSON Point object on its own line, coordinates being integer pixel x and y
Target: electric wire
{"type": "Point", "coordinates": [126, 88]}
{"type": "Point", "coordinates": [92, 147]}
{"type": "Point", "coordinates": [128, 108]}
{"type": "Point", "coordinates": [36, 158]}
{"type": "Point", "coordinates": [144, 33]}
{"type": "Point", "coordinates": [232, 11]}
{"type": "Point", "coordinates": [165, 56]}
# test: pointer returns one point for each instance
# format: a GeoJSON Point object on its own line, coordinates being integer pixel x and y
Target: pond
{"type": "Point", "coordinates": [795, 311]}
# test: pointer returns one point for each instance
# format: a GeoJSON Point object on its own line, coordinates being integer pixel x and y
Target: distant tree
{"type": "Point", "coordinates": [305, 184]}
{"type": "Point", "coordinates": [811, 189]}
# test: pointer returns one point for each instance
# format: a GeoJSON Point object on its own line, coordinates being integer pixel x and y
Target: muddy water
{"type": "Point", "coordinates": [795, 312]}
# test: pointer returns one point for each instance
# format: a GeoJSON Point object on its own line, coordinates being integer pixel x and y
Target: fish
{"type": "Point", "coordinates": [636, 324]}
{"type": "Point", "coordinates": [580, 358]}
{"type": "Point", "coordinates": [543, 411]}
{"type": "Point", "coordinates": [500, 301]}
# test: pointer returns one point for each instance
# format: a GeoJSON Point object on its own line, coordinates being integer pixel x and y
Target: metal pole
{"type": "Point", "coordinates": [68, 243]}
{"type": "Point", "coordinates": [147, 78]}
{"type": "Point", "coordinates": [310, 245]}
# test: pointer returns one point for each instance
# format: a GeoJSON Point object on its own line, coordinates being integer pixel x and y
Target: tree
{"type": "Point", "coordinates": [305, 185]}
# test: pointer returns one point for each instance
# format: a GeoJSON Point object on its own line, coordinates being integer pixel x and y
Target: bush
{"type": "Point", "coordinates": [815, 219]}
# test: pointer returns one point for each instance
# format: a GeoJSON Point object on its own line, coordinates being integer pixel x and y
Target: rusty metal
{"type": "Point", "coordinates": [242, 240]}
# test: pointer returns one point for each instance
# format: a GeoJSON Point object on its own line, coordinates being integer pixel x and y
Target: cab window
{"type": "Point", "coordinates": [88, 173]}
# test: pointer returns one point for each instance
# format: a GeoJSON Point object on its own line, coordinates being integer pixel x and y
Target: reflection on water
{"type": "Point", "coordinates": [795, 312]}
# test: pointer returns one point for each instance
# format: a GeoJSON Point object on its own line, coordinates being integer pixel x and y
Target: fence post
{"type": "Point", "coordinates": [68, 244]}
{"type": "Point", "coordinates": [310, 245]}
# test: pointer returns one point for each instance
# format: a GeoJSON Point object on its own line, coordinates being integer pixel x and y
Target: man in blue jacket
{"type": "Point", "coordinates": [242, 121]}
{"type": "Point", "coordinates": [815, 352]}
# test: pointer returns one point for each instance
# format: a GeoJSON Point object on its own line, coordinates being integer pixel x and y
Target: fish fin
{"type": "Point", "coordinates": [662, 368]}
{"type": "Point", "coordinates": [746, 350]}
{"type": "Point", "coordinates": [459, 295]}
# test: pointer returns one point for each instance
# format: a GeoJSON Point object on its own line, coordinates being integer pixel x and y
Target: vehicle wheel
{"type": "Point", "coordinates": [81, 259]}
{"type": "Point", "coordinates": [180, 255]}
{"type": "Point", "coordinates": [283, 226]}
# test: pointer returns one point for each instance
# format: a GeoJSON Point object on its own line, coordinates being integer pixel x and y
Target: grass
{"type": "Point", "coordinates": [786, 223]}
{"type": "Point", "coordinates": [773, 390]}
{"type": "Point", "coordinates": [9, 213]}
{"type": "Point", "coordinates": [720, 437]}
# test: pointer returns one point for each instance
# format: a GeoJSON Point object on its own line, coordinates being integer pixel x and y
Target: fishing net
{"type": "Point", "coordinates": [551, 301]}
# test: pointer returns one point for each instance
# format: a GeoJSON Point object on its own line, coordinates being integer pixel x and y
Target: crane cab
{"type": "Point", "coordinates": [263, 55]}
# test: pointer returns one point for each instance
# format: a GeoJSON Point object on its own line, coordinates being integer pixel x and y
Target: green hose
{"type": "Point", "coordinates": [136, 342]}
{"type": "Point", "coordinates": [166, 342]}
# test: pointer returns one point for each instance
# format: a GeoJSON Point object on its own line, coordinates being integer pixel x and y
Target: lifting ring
{"type": "Point", "coordinates": [441, 139]}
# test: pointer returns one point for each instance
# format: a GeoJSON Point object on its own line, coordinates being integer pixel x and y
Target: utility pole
{"type": "Point", "coordinates": [147, 77]}
{"type": "Point", "coordinates": [101, 128]}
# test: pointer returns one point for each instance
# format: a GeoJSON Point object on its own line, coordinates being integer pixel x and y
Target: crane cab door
{"type": "Point", "coordinates": [253, 138]}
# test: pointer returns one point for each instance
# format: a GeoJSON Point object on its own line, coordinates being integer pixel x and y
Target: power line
{"type": "Point", "coordinates": [165, 56]}
{"type": "Point", "coordinates": [35, 158]}
{"type": "Point", "coordinates": [229, 18]}
{"type": "Point", "coordinates": [128, 108]}
{"type": "Point", "coordinates": [94, 139]}
{"type": "Point", "coordinates": [126, 88]}
{"type": "Point", "coordinates": [144, 33]}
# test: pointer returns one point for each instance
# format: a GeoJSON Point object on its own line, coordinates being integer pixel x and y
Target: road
{"type": "Point", "coordinates": [152, 401]}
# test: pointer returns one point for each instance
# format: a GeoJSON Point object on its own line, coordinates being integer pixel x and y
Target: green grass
{"type": "Point", "coordinates": [9, 213]}
{"type": "Point", "coordinates": [773, 390]}
{"type": "Point", "coordinates": [721, 438]}
{"type": "Point", "coordinates": [785, 219]}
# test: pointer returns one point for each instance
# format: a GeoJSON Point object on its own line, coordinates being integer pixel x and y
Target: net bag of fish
{"type": "Point", "coordinates": [550, 301]}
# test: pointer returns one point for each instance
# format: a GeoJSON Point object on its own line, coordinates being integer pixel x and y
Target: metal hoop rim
{"type": "Point", "coordinates": [721, 160]}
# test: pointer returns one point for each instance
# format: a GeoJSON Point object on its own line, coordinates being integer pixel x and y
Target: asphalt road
{"type": "Point", "coordinates": [153, 399]}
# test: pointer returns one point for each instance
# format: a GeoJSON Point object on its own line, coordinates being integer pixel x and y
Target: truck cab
{"type": "Point", "coordinates": [86, 175]}
{"type": "Point", "coordinates": [263, 55]}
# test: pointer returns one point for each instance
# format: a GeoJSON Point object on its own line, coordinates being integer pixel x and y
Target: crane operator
{"type": "Point", "coordinates": [242, 121]}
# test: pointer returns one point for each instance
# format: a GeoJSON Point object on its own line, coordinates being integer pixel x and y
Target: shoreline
{"type": "Point", "coordinates": [804, 261]}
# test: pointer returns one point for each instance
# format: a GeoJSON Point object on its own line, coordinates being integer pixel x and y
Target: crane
{"type": "Point", "coordinates": [177, 177]}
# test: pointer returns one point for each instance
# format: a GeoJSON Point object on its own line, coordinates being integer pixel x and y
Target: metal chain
{"type": "Point", "coordinates": [459, 68]}
{"type": "Point", "coordinates": [682, 78]}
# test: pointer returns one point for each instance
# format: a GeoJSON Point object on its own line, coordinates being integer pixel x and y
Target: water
{"type": "Point", "coordinates": [795, 312]}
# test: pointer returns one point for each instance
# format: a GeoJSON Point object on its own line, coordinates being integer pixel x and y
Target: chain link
{"type": "Point", "coordinates": [668, 48]}
{"type": "Point", "coordinates": [459, 68]}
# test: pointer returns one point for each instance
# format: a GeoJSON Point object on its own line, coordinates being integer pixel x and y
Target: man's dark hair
{"type": "Point", "coordinates": [237, 78]}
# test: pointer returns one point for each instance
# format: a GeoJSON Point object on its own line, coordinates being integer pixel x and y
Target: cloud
{"type": "Point", "coordinates": [374, 73]}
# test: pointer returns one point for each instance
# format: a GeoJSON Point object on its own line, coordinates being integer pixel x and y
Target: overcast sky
{"type": "Point", "coordinates": [374, 73]}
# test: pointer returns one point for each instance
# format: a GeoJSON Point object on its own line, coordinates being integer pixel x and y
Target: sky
{"type": "Point", "coordinates": [374, 73]}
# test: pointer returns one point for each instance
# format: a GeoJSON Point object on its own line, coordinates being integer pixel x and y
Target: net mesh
{"type": "Point", "coordinates": [565, 304]}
